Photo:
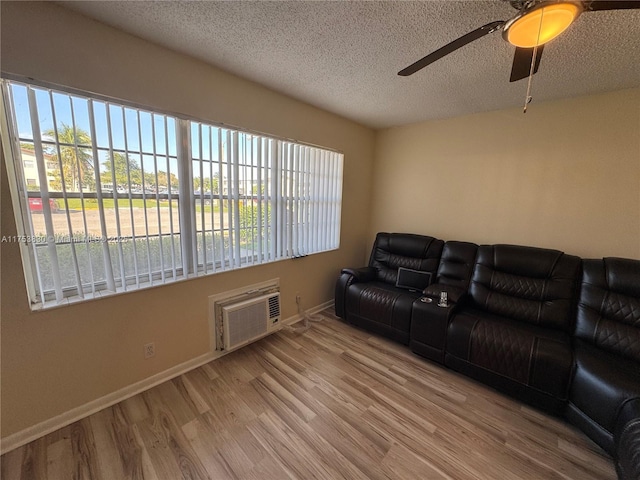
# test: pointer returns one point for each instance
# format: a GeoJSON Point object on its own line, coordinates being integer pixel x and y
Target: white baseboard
{"type": "Point", "coordinates": [38, 430]}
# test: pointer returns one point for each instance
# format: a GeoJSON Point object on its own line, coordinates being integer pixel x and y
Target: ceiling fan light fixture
{"type": "Point", "coordinates": [541, 23]}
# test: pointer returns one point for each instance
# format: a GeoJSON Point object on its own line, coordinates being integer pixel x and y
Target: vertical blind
{"type": "Point", "coordinates": [281, 199]}
{"type": "Point", "coordinates": [114, 198]}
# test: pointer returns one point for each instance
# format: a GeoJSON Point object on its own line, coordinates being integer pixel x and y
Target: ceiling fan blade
{"type": "Point", "coordinates": [522, 63]}
{"type": "Point", "coordinates": [598, 5]}
{"type": "Point", "coordinates": [451, 47]}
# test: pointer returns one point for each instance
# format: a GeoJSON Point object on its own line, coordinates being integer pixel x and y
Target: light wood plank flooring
{"type": "Point", "coordinates": [333, 402]}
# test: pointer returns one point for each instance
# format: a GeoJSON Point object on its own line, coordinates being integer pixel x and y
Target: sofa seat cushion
{"type": "Point", "coordinates": [518, 352]}
{"type": "Point", "coordinates": [602, 383]}
{"type": "Point", "coordinates": [381, 308]}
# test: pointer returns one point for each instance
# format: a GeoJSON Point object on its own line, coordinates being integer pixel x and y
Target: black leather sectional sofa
{"type": "Point", "coordinates": [551, 329]}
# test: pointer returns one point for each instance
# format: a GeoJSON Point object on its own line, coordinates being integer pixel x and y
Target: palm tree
{"type": "Point", "coordinates": [77, 163]}
{"type": "Point", "coordinates": [123, 172]}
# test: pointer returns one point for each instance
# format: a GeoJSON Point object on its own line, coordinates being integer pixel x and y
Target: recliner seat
{"type": "Point", "coordinates": [606, 346]}
{"type": "Point", "coordinates": [517, 326]}
{"type": "Point", "coordinates": [367, 297]}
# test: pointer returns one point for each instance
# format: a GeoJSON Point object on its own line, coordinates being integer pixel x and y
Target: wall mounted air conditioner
{"type": "Point", "coordinates": [248, 320]}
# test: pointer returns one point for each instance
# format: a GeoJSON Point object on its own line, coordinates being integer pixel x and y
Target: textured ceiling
{"type": "Point", "coordinates": [344, 56]}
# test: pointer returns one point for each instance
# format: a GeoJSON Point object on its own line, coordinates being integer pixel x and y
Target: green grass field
{"type": "Point", "coordinates": [92, 204]}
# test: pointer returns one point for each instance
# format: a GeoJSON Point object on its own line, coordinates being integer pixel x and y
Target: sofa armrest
{"type": "Point", "coordinates": [349, 276]}
{"type": "Point", "coordinates": [627, 440]}
{"type": "Point", "coordinates": [363, 274]}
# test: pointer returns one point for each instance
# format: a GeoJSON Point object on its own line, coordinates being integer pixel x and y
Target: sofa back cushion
{"type": "Point", "coordinates": [609, 309]}
{"type": "Point", "coordinates": [527, 284]}
{"type": "Point", "coordinates": [456, 264]}
{"type": "Point", "coordinates": [393, 250]}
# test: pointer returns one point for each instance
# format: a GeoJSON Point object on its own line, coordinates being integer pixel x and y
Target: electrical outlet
{"type": "Point", "coordinates": [149, 350]}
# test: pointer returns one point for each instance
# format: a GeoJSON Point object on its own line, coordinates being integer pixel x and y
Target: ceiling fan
{"type": "Point", "coordinates": [537, 22]}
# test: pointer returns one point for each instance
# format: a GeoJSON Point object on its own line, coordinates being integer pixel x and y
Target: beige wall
{"type": "Point", "coordinates": [56, 360]}
{"type": "Point", "coordinates": [566, 175]}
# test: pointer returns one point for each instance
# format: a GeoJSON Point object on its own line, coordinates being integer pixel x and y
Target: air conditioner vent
{"type": "Point", "coordinates": [274, 308]}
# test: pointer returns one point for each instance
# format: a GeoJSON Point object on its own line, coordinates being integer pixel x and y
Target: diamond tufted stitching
{"type": "Point", "coordinates": [396, 261]}
{"type": "Point", "coordinates": [513, 307]}
{"type": "Point", "coordinates": [502, 350]}
{"type": "Point", "coordinates": [622, 308]}
{"type": "Point", "coordinates": [376, 303]}
{"type": "Point", "coordinates": [514, 285]}
{"type": "Point", "coordinates": [619, 339]}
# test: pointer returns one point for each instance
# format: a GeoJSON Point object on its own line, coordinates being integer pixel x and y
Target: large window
{"type": "Point", "coordinates": [112, 198]}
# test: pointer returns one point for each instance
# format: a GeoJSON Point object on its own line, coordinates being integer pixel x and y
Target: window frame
{"type": "Point", "coordinates": [186, 199]}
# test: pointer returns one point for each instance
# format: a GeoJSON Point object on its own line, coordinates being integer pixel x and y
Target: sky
{"type": "Point", "coordinates": [130, 130]}
{"type": "Point", "coordinates": [126, 131]}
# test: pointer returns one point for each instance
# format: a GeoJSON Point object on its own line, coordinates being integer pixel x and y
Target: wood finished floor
{"type": "Point", "coordinates": [334, 402]}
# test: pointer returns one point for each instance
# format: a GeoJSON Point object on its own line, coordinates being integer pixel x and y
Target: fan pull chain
{"type": "Point", "coordinates": [528, 98]}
